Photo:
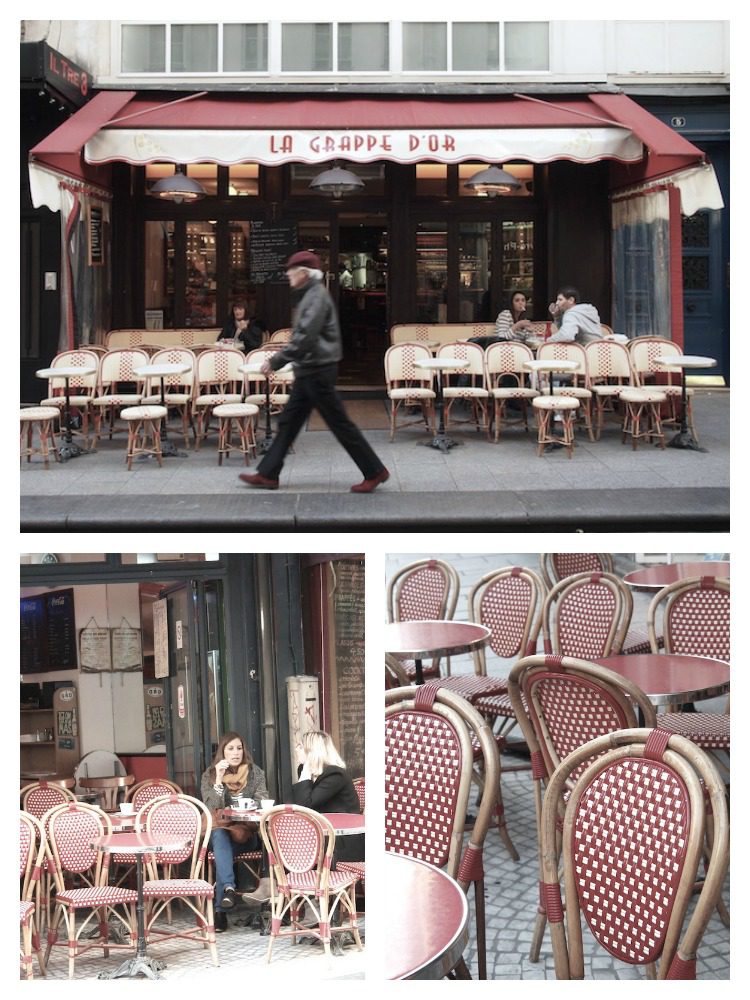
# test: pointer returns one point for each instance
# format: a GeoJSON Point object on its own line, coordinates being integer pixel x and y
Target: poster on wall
{"type": "Point", "coordinates": [161, 639]}
{"type": "Point", "coordinates": [126, 647]}
{"type": "Point", "coordinates": [94, 648]}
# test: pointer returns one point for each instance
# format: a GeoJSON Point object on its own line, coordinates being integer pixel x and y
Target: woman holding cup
{"type": "Point", "coordinates": [232, 774]}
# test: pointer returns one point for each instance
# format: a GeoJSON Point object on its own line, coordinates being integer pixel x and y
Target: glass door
{"type": "Point", "coordinates": [362, 278]}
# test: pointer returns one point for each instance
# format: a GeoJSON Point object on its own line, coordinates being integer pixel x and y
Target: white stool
{"type": "Point", "coordinates": [144, 431]}
{"type": "Point", "coordinates": [44, 416]}
{"type": "Point", "coordinates": [546, 407]}
{"type": "Point", "coordinates": [642, 405]}
{"type": "Point", "coordinates": [243, 416]}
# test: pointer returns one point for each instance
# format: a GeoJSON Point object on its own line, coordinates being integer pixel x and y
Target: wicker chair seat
{"type": "Point", "coordinates": [354, 868]}
{"type": "Point", "coordinates": [97, 895]}
{"type": "Point", "coordinates": [276, 399]}
{"type": "Point", "coordinates": [60, 401]}
{"type": "Point", "coordinates": [429, 670]}
{"type": "Point", "coordinates": [709, 730]}
{"type": "Point", "coordinates": [608, 390]}
{"type": "Point", "coordinates": [572, 391]}
{"type": "Point", "coordinates": [465, 392]}
{"type": "Point", "coordinates": [555, 403]}
{"type": "Point", "coordinates": [170, 399]}
{"type": "Point", "coordinates": [411, 393]}
{"type": "Point", "coordinates": [514, 392]}
{"type": "Point", "coordinates": [308, 881]}
{"type": "Point", "coordinates": [167, 888]}
{"type": "Point", "coordinates": [473, 686]}
{"type": "Point", "coordinates": [218, 398]}
{"type": "Point", "coordinates": [121, 399]}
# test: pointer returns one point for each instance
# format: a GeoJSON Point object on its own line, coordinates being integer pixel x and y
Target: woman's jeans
{"type": "Point", "coordinates": [224, 849]}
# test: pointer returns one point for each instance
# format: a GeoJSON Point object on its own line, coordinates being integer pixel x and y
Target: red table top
{"type": "Point", "coordinates": [426, 930]}
{"type": "Point", "coordinates": [418, 639]}
{"type": "Point", "coordinates": [656, 577]}
{"type": "Point", "coordinates": [670, 677]}
{"type": "Point", "coordinates": [139, 843]}
{"type": "Point", "coordinates": [346, 823]}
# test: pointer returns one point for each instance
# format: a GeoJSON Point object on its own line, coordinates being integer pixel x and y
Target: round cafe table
{"type": "Point", "coordinates": [440, 365]}
{"type": "Point", "coordinates": [161, 371]}
{"type": "Point", "coordinates": [551, 366]}
{"type": "Point", "coordinates": [672, 678]}
{"type": "Point", "coordinates": [427, 922]}
{"type": "Point", "coordinates": [656, 577]}
{"type": "Point", "coordinates": [417, 639]}
{"type": "Point", "coordinates": [683, 438]}
{"type": "Point", "coordinates": [138, 844]}
{"type": "Point", "coordinates": [68, 448]}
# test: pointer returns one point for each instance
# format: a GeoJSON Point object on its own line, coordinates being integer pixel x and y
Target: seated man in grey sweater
{"type": "Point", "coordinates": [574, 320]}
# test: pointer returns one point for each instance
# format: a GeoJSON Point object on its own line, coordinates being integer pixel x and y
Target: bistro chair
{"type": "Point", "coordinates": [38, 799]}
{"type": "Point", "coordinates": [218, 380]}
{"type": "Point", "coordinates": [356, 868]}
{"type": "Point", "coordinates": [409, 386]}
{"type": "Point", "coordinates": [424, 590]}
{"type": "Point", "coordinates": [300, 844]}
{"type": "Point", "coordinates": [507, 380]}
{"type": "Point", "coordinates": [648, 374]}
{"type": "Point", "coordinates": [431, 735]}
{"type": "Point", "coordinates": [278, 385]}
{"type": "Point", "coordinates": [578, 386]}
{"type": "Point", "coordinates": [562, 702]}
{"type": "Point", "coordinates": [467, 383]}
{"type": "Point", "coordinates": [43, 418]}
{"type": "Point", "coordinates": [118, 386]}
{"type": "Point", "coordinates": [586, 615]}
{"type": "Point", "coordinates": [108, 789]}
{"type": "Point", "coordinates": [152, 788]}
{"type": "Point", "coordinates": [82, 387]}
{"type": "Point", "coordinates": [81, 874]}
{"type": "Point", "coordinates": [642, 416]}
{"type": "Point", "coordinates": [282, 336]}
{"type": "Point", "coordinates": [179, 814]}
{"type": "Point", "coordinates": [632, 840]}
{"type": "Point", "coordinates": [609, 371]}
{"type": "Point", "coordinates": [32, 854]}
{"type": "Point", "coordinates": [179, 389]}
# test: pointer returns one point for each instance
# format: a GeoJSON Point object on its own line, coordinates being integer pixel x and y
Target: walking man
{"type": "Point", "coordinates": [314, 352]}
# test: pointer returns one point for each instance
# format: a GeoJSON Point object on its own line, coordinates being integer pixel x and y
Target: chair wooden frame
{"type": "Point", "coordinates": [33, 852]}
{"type": "Point", "coordinates": [300, 844]}
{"type": "Point", "coordinates": [116, 368]}
{"type": "Point", "coordinates": [579, 386]}
{"type": "Point", "coordinates": [610, 372]}
{"type": "Point", "coordinates": [609, 699]}
{"type": "Point", "coordinates": [476, 391]}
{"type": "Point", "coordinates": [568, 608]}
{"type": "Point", "coordinates": [671, 762]}
{"type": "Point", "coordinates": [643, 352]}
{"type": "Point", "coordinates": [507, 358]}
{"type": "Point", "coordinates": [404, 602]}
{"type": "Point", "coordinates": [447, 712]}
{"type": "Point", "coordinates": [217, 380]}
{"type": "Point", "coordinates": [82, 387]}
{"type": "Point", "coordinates": [407, 385]}
{"type": "Point", "coordinates": [179, 389]}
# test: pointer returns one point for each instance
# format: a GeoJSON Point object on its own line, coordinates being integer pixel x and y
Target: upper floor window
{"type": "Point", "coordinates": [306, 48]}
{"type": "Point", "coordinates": [363, 48]}
{"type": "Point", "coordinates": [527, 45]}
{"type": "Point", "coordinates": [245, 48]}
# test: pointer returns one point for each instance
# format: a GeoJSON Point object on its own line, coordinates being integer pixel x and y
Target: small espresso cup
{"type": "Point", "coordinates": [266, 804]}
{"type": "Point", "coordinates": [127, 808]}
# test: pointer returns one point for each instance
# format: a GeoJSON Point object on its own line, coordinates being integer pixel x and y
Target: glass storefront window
{"type": "Point", "coordinates": [206, 174]}
{"type": "Point", "coordinates": [432, 180]}
{"type": "Point", "coordinates": [245, 48]}
{"type": "Point", "coordinates": [143, 48]}
{"type": "Point", "coordinates": [306, 48]}
{"type": "Point", "coordinates": [518, 262]}
{"type": "Point", "coordinates": [239, 283]}
{"type": "Point", "coordinates": [244, 180]}
{"type": "Point", "coordinates": [476, 46]}
{"type": "Point", "coordinates": [526, 45]}
{"type": "Point", "coordinates": [316, 236]}
{"type": "Point", "coordinates": [200, 294]}
{"type": "Point", "coordinates": [194, 48]}
{"type": "Point", "coordinates": [425, 46]}
{"type": "Point", "coordinates": [159, 271]}
{"type": "Point", "coordinates": [432, 272]}
{"type": "Point", "coordinates": [475, 268]}
{"type": "Point", "coordinates": [363, 48]}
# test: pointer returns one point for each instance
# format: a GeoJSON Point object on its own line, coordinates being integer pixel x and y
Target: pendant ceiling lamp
{"type": "Point", "coordinates": [493, 181]}
{"type": "Point", "coordinates": [178, 188]}
{"type": "Point", "coordinates": [337, 182]}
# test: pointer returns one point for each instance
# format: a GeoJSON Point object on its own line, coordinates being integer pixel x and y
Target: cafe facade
{"type": "Point", "coordinates": [602, 193]}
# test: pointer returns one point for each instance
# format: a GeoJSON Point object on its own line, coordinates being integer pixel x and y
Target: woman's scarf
{"type": "Point", "coordinates": [238, 781]}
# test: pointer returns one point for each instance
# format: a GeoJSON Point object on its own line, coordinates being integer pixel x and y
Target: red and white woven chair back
{"type": "Point", "coordinates": [423, 590]}
{"type": "Point", "coordinates": [220, 367]}
{"type": "Point", "coordinates": [359, 788]}
{"type": "Point", "coordinates": [643, 354]}
{"type": "Point", "coordinates": [463, 350]}
{"type": "Point", "coordinates": [146, 791]}
{"type": "Point", "coordinates": [399, 364]}
{"type": "Point", "coordinates": [174, 356]}
{"type": "Point", "coordinates": [506, 358]}
{"type": "Point", "coordinates": [297, 838]}
{"type": "Point", "coordinates": [508, 603]}
{"type": "Point", "coordinates": [39, 798]}
{"type": "Point", "coordinates": [179, 815]}
{"type": "Point", "coordinates": [32, 849]}
{"type": "Point", "coordinates": [70, 830]}
{"type": "Point", "coordinates": [586, 615]}
{"type": "Point", "coordinates": [566, 350]}
{"type": "Point", "coordinates": [428, 759]}
{"type": "Point", "coordinates": [557, 566]}
{"type": "Point", "coordinates": [696, 618]}
{"type": "Point", "coordinates": [118, 366]}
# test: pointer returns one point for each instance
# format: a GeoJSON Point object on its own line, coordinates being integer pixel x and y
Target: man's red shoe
{"type": "Point", "coordinates": [255, 479]}
{"type": "Point", "coordinates": [368, 485]}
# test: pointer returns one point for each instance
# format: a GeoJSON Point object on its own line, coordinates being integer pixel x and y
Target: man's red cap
{"type": "Point", "coordinates": [304, 258]}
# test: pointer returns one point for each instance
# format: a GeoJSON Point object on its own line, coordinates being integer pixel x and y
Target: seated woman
{"type": "Point", "coordinates": [232, 773]}
{"type": "Point", "coordinates": [511, 323]}
{"type": "Point", "coordinates": [245, 332]}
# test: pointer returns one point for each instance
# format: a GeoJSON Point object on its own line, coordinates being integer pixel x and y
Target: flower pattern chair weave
{"type": "Point", "coordinates": [695, 617]}
{"type": "Point", "coordinates": [300, 844]}
{"type": "Point", "coordinates": [562, 703]}
{"type": "Point", "coordinates": [423, 590]}
{"type": "Point", "coordinates": [631, 843]}
{"type": "Point", "coordinates": [505, 362]}
{"type": "Point", "coordinates": [453, 388]}
{"type": "Point", "coordinates": [116, 369]}
{"type": "Point", "coordinates": [71, 828]}
{"type": "Point", "coordinates": [218, 380]}
{"type": "Point", "coordinates": [431, 735]}
{"type": "Point", "coordinates": [179, 815]}
{"type": "Point", "coordinates": [408, 385]}
{"type": "Point", "coordinates": [32, 853]}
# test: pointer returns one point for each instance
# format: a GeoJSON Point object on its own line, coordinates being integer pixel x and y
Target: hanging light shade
{"type": "Point", "coordinates": [493, 181]}
{"type": "Point", "coordinates": [337, 182]}
{"type": "Point", "coordinates": [178, 188]}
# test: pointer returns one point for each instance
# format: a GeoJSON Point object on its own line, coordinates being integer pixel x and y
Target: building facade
{"type": "Point", "coordinates": [616, 133]}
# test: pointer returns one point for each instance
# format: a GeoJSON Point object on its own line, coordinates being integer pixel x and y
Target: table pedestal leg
{"type": "Point", "coordinates": [441, 439]}
{"type": "Point", "coordinates": [140, 963]}
{"type": "Point", "coordinates": [683, 438]}
{"type": "Point", "coordinates": [68, 447]}
{"type": "Point", "coordinates": [418, 668]}
{"type": "Point", "coordinates": [168, 448]}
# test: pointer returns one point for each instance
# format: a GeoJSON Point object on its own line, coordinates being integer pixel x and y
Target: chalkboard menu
{"type": "Point", "coordinates": [271, 246]}
{"type": "Point", "coordinates": [348, 709]}
{"type": "Point", "coordinates": [48, 633]}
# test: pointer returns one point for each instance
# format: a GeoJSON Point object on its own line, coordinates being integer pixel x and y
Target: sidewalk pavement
{"type": "Point", "coordinates": [479, 485]}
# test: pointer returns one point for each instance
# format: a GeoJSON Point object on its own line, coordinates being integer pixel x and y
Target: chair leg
{"type": "Point", "coordinates": [480, 928]}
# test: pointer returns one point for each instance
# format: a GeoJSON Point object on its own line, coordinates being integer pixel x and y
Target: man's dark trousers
{"type": "Point", "coordinates": [316, 390]}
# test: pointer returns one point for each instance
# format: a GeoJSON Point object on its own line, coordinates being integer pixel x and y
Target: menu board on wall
{"type": "Point", "coordinates": [271, 246]}
{"type": "Point", "coordinates": [161, 639]}
{"type": "Point", "coordinates": [48, 632]}
{"type": "Point", "coordinates": [348, 708]}
{"type": "Point", "coordinates": [126, 647]}
{"type": "Point", "coordinates": [96, 654]}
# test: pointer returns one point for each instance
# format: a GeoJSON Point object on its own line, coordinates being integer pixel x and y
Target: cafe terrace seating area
{"type": "Point", "coordinates": [572, 675]}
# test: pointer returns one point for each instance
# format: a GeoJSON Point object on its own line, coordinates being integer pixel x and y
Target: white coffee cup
{"type": "Point", "coordinates": [246, 804]}
{"type": "Point", "coordinates": [127, 808]}
{"type": "Point", "coordinates": [267, 804]}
